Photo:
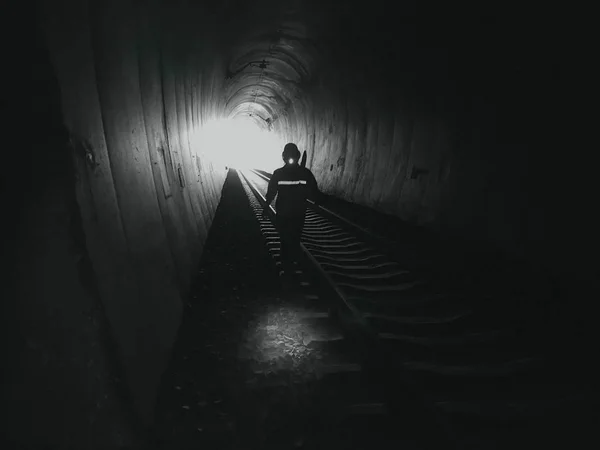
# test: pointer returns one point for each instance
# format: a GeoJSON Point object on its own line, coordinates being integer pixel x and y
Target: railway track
{"type": "Point", "coordinates": [474, 376]}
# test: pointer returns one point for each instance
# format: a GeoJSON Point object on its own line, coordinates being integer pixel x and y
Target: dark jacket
{"type": "Point", "coordinates": [293, 184]}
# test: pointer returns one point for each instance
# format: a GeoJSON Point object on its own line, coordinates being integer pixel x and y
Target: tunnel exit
{"type": "Point", "coordinates": [239, 143]}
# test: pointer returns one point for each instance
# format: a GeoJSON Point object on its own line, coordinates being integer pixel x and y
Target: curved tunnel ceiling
{"type": "Point", "coordinates": [278, 49]}
{"type": "Point", "coordinates": [268, 68]}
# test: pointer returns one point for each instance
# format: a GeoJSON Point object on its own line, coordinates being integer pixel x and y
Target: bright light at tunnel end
{"type": "Point", "coordinates": [238, 143]}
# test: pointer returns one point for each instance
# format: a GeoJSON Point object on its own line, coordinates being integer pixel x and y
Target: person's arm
{"type": "Point", "coordinates": [272, 189]}
{"type": "Point", "coordinates": [313, 189]}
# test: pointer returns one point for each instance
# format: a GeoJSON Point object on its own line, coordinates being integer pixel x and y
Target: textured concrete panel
{"type": "Point", "coordinates": [71, 251]}
{"type": "Point", "coordinates": [167, 193]}
{"type": "Point", "coordinates": [157, 307]}
{"type": "Point", "coordinates": [146, 196]}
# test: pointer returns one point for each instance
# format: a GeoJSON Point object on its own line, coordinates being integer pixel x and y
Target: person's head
{"type": "Point", "coordinates": [290, 154]}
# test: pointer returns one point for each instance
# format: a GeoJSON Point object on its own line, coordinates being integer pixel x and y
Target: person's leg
{"type": "Point", "coordinates": [285, 232]}
{"type": "Point", "coordinates": [296, 226]}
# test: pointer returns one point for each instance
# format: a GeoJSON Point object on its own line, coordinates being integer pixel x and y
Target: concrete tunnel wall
{"type": "Point", "coordinates": [131, 99]}
{"type": "Point", "coordinates": [476, 156]}
{"type": "Point", "coordinates": [136, 80]}
{"type": "Point", "coordinates": [408, 164]}
{"type": "Point", "coordinates": [372, 144]}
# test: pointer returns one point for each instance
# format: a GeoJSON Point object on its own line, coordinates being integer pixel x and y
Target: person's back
{"type": "Point", "coordinates": [294, 185]}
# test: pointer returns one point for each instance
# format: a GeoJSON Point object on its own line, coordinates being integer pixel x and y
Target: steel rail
{"type": "Point", "coordinates": [368, 334]}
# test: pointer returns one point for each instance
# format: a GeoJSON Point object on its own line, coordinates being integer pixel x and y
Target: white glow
{"type": "Point", "coordinates": [291, 161]}
{"type": "Point", "coordinates": [279, 341]}
{"type": "Point", "coordinates": [238, 143]}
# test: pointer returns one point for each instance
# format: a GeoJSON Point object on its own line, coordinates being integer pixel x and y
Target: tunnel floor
{"type": "Point", "coordinates": [259, 367]}
{"type": "Point", "coordinates": [254, 367]}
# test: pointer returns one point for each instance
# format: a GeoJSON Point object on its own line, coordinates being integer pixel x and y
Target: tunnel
{"type": "Point", "coordinates": [129, 116]}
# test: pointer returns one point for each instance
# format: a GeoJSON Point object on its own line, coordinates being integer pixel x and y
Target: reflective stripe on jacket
{"type": "Point", "coordinates": [292, 184]}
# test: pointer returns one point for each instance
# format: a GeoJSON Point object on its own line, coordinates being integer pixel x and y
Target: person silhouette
{"type": "Point", "coordinates": [292, 184]}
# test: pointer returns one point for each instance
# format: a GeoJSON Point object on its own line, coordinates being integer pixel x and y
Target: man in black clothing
{"type": "Point", "coordinates": [292, 184]}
